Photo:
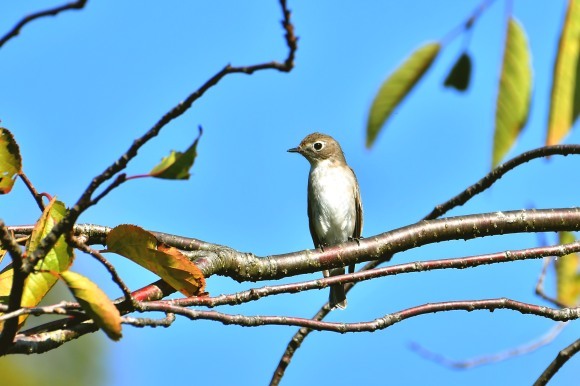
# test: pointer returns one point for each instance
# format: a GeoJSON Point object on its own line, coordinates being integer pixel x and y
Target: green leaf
{"type": "Point", "coordinates": [58, 259]}
{"type": "Point", "coordinates": [515, 90]}
{"type": "Point", "coordinates": [170, 264]}
{"type": "Point", "coordinates": [565, 100]}
{"type": "Point", "coordinates": [177, 164]}
{"type": "Point", "coordinates": [397, 86]}
{"type": "Point", "coordinates": [10, 161]}
{"type": "Point", "coordinates": [567, 276]}
{"type": "Point", "coordinates": [95, 303]}
{"type": "Point", "coordinates": [460, 74]}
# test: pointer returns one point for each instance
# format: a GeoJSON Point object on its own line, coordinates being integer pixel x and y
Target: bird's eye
{"type": "Point", "coordinates": [317, 146]}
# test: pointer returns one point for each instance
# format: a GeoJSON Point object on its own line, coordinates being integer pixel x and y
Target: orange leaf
{"type": "Point", "coordinates": [169, 263]}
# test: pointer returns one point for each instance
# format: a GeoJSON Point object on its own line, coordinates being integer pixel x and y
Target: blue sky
{"type": "Point", "coordinates": [78, 88]}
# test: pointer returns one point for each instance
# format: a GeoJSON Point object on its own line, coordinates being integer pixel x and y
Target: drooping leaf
{"type": "Point", "coordinates": [564, 102]}
{"type": "Point", "coordinates": [177, 164]}
{"type": "Point", "coordinates": [460, 73]}
{"type": "Point", "coordinates": [515, 90]}
{"type": "Point", "coordinates": [10, 161]}
{"type": "Point", "coordinates": [95, 303]}
{"type": "Point", "coordinates": [58, 259]}
{"type": "Point", "coordinates": [567, 275]}
{"type": "Point", "coordinates": [576, 112]}
{"type": "Point", "coordinates": [397, 86]}
{"type": "Point", "coordinates": [84, 359]}
{"type": "Point", "coordinates": [168, 263]}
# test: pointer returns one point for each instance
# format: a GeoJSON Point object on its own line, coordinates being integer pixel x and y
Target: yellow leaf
{"type": "Point", "coordinates": [397, 86]}
{"type": "Point", "coordinates": [515, 90]}
{"type": "Point", "coordinates": [168, 263]}
{"type": "Point", "coordinates": [567, 277]}
{"type": "Point", "coordinates": [565, 83]}
{"type": "Point", "coordinates": [58, 259]}
{"type": "Point", "coordinates": [95, 303]}
{"type": "Point", "coordinates": [10, 161]}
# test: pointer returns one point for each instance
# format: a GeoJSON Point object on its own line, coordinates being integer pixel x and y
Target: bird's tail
{"type": "Point", "coordinates": [337, 297]}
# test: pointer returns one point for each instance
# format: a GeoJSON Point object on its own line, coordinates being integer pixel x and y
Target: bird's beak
{"type": "Point", "coordinates": [294, 150]}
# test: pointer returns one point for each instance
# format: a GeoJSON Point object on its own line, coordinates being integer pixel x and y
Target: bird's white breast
{"type": "Point", "coordinates": [332, 200]}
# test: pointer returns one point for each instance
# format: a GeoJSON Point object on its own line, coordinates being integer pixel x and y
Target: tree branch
{"type": "Point", "coordinates": [86, 200]}
{"type": "Point", "coordinates": [498, 173]}
{"type": "Point", "coordinates": [10, 327]}
{"type": "Point", "coordinates": [484, 360]}
{"type": "Point", "coordinates": [382, 323]}
{"type": "Point", "coordinates": [49, 12]}
{"type": "Point", "coordinates": [562, 357]}
{"type": "Point", "coordinates": [418, 266]}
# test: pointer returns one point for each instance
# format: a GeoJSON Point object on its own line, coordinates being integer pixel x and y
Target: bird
{"type": "Point", "coordinates": [335, 212]}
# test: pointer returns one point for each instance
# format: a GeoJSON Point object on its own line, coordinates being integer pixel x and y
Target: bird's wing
{"type": "Point", "coordinates": [358, 225]}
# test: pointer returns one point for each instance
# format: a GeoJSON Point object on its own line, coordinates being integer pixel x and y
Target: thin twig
{"type": "Point", "coordinates": [62, 308]}
{"type": "Point", "coordinates": [79, 244]}
{"type": "Point", "coordinates": [373, 325]}
{"type": "Point", "coordinates": [49, 12]}
{"type": "Point", "coordinates": [540, 284]}
{"type": "Point", "coordinates": [149, 322]}
{"type": "Point", "coordinates": [86, 200]}
{"type": "Point", "coordinates": [562, 357]}
{"type": "Point", "coordinates": [498, 173]}
{"type": "Point", "coordinates": [10, 327]}
{"type": "Point", "coordinates": [37, 196]}
{"type": "Point", "coordinates": [484, 360]}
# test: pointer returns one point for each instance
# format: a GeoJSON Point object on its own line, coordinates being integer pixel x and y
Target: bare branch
{"type": "Point", "coordinates": [62, 308]}
{"type": "Point", "coordinates": [86, 200]}
{"type": "Point", "coordinates": [10, 327]}
{"type": "Point", "coordinates": [148, 322]}
{"type": "Point", "coordinates": [37, 196]}
{"type": "Point", "coordinates": [562, 357]}
{"type": "Point", "coordinates": [484, 360]}
{"type": "Point", "coordinates": [540, 284]}
{"type": "Point", "coordinates": [78, 243]}
{"type": "Point", "coordinates": [382, 323]}
{"type": "Point", "coordinates": [49, 12]}
{"type": "Point", "coordinates": [498, 173]}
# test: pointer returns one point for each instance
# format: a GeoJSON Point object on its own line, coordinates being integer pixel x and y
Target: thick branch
{"type": "Point", "coordinates": [418, 266]}
{"type": "Point", "coordinates": [214, 259]}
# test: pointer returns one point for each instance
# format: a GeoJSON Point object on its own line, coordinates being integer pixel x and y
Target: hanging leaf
{"type": "Point", "coordinates": [567, 275]}
{"type": "Point", "coordinates": [564, 103]}
{"type": "Point", "coordinates": [460, 74]}
{"type": "Point", "coordinates": [515, 90]}
{"type": "Point", "coordinates": [10, 161]}
{"type": "Point", "coordinates": [397, 86]}
{"type": "Point", "coordinates": [576, 112]}
{"type": "Point", "coordinates": [95, 303]}
{"type": "Point", "coordinates": [58, 259]}
{"type": "Point", "coordinates": [170, 264]}
{"type": "Point", "coordinates": [177, 164]}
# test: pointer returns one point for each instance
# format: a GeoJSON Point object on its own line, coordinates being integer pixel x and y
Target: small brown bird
{"type": "Point", "coordinates": [335, 213]}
